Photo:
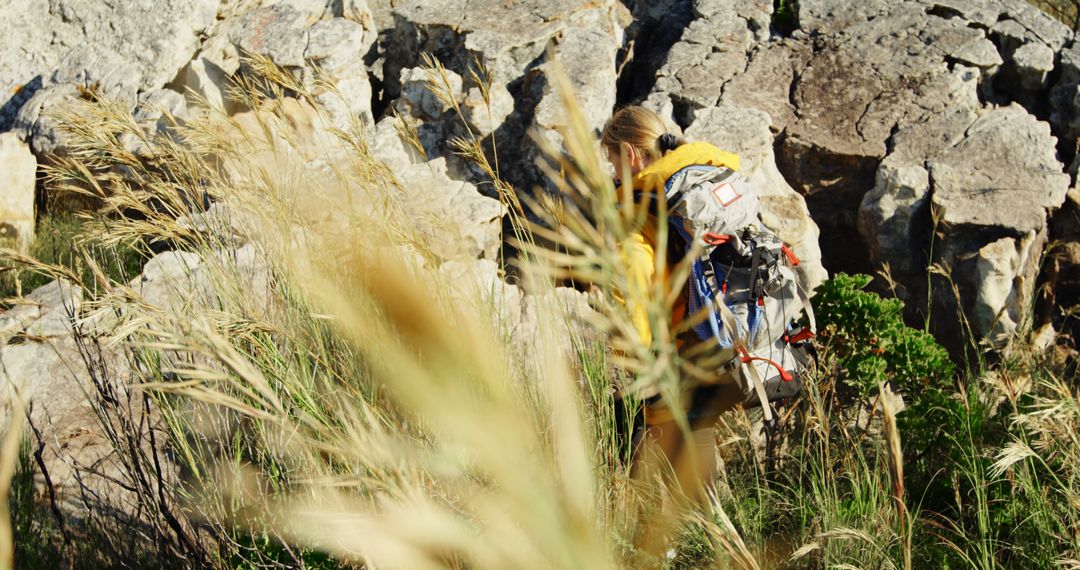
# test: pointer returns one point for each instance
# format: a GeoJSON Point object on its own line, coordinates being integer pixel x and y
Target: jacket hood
{"type": "Point", "coordinates": [655, 175]}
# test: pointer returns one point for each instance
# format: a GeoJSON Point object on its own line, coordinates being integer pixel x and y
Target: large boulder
{"type": "Point", "coordinates": [983, 189]}
{"type": "Point", "coordinates": [58, 375]}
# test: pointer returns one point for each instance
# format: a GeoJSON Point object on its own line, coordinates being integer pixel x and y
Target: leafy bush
{"type": "Point", "coordinates": [872, 344]}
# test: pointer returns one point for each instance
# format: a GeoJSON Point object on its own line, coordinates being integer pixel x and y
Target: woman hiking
{"type": "Point", "coordinates": [637, 141]}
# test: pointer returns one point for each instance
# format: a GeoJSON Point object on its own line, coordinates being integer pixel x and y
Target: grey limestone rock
{"type": "Point", "coordinates": [1004, 173]}
{"type": "Point", "coordinates": [507, 37]}
{"type": "Point", "coordinates": [136, 45]}
{"type": "Point", "coordinates": [989, 182]}
{"type": "Point", "coordinates": [712, 50]}
{"type": "Point", "coordinates": [455, 220]}
{"type": "Point", "coordinates": [980, 53]}
{"type": "Point", "coordinates": [484, 115]}
{"type": "Point", "coordinates": [1034, 62]}
{"type": "Point", "coordinates": [278, 32]}
{"type": "Point", "coordinates": [418, 93]}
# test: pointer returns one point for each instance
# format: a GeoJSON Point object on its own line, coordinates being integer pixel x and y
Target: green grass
{"type": "Point", "coordinates": [54, 244]}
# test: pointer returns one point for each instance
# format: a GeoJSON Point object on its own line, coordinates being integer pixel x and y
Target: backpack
{"type": "Point", "coordinates": [743, 278]}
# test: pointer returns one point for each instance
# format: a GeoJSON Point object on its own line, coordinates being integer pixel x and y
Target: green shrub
{"type": "Point", "coordinates": [867, 335]}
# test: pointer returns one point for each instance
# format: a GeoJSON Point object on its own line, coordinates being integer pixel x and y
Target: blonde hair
{"type": "Point", "coordinates": [640, 128]}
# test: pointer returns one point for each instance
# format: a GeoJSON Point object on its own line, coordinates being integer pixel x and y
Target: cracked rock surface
{"type": "Point", "coordinates": [887, 116]}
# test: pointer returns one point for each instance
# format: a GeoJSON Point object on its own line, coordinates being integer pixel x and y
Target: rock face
{"type": "Point", "coordinates": [119, 47]}
{"type": "Point", "coordinates": [18, 171]}
{"type": "Point", "coordinates": [829, 86]}
{"type": "Point", "coordinates": [504, 44]}
{"type": "Point", "coordinates": [890, 116]}
{"type": "Point", "coordinates": [989, 182]}
{"type": "Point", "coordinates": [55, 372]}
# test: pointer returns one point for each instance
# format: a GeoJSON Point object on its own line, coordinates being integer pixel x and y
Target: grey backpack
{"type": "Point", "coordinates": [743, 280]}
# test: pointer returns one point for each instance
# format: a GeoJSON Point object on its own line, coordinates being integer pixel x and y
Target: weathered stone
{"type": "Point", "coordinates": [59, 304]}
{"type": "Point", "coordinates": [452, 217]}
{"type": "Point", "coordinates": [203, 82]}
{"type": "Point", "coordinates": [1034, 62]}
{"type": "Point", "coordinates": [139, 43]}
{"type": "Point", "coordinates": [981, 187]}
{"type": "Point", "coordinates": [713, 50]}
{"type": "Point", "coordinates": [157, 108]}
{"type": "Point", "coordinates": [175, 281]}
{"type": "Point", "coordinates": [277, 32]}
{"type": "Point", "coordinates": [831, 16]}
{"type": "Point", "coordinates": [335, 45]}
{"type": "Point", "coordinates": [980, 53]}
{"type": "Point", "coordinates": [890, 214]}
{"type": "Point", "coordinates": [766, 84]}
{"type": "Point", "coordinates": [1020, 23]}
{"type": "Point", "coordinates": [1005, 274]}
{"type": "Point", "coordinates": [360, 12]}
{"type": "Point", "coordinates": [894, 217]}
{"type": "Point", "coordinates": [507, 39]}
{"type": "Point", "coordinates": [346, 100]}
{"type": "Point", "coordinates": [484, 116]}
{"type": "Point", "coordinates": [980, 14]}
{"type": "Point", "coordinates": [157, 113]}
{"type": "Point", "coordinates": [553, 318]}
{"type": "Point", "coordinates": [53, 378]}
{"type": "Point", "coordinates": [388, 147]}
{"type": "Point", "coordinates": [37, 121]}
{"type": "Point", "coordinates": [1065, 94]}
{"type": "Point", "coordinates": [99, 72]}
{"type": "Point", "coordinates": [18, 173]}
{"type": "Point", "coordinates": [1005, 173]}
{"type": "Point", "coordinates": [585, 53]}
{"type": "Point", "coordinates": [418, 92]}
{"type": "Point", "coordinates": [746, 133]}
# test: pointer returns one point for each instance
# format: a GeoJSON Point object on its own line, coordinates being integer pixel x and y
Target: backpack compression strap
{"type": "Point", "coordinates": [731, 323]}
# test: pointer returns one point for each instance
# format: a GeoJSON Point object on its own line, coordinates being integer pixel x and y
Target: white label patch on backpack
{"type": "Point", "coordinates": [725, 194]}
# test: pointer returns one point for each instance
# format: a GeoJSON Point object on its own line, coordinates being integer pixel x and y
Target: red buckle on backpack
{"type": "Point", "coordinates": [790, 255]}
{"type": "Point", "coordinates": [802, 336]}
{"type": "Point", "coordinates": [746, 358]}
{"type": "Point", "coordinates": [716, 239]}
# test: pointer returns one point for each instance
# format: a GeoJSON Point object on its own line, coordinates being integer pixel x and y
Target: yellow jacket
{"type": "Point", "coordinates": [638, 251]}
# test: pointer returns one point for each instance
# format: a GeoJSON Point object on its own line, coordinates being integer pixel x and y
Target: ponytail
{"type": "Point", "coordinates": [642, 129]}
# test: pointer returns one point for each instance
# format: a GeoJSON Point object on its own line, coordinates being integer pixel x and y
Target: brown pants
{"type": "Point", "coordinates": [685, 461]}
{"type": "Point", "coordinates": [675, 468]}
